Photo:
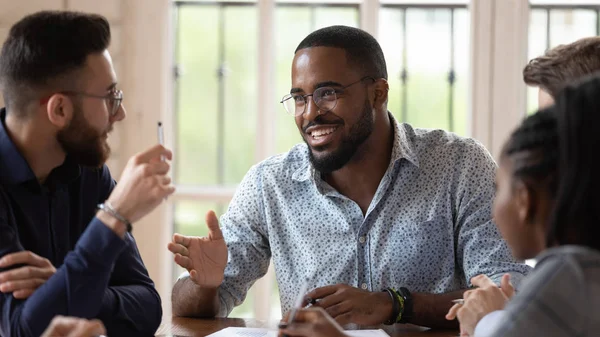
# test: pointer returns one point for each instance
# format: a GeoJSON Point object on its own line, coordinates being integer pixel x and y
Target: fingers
{"type": "Point", "coordinates": [88, 328]}
{"type": "Point", "coordinates": [307, 315]}
{"type": "Point", "coordinates": [451, 315]}
{"type": "Point", "coordinates": [26, 272]}
{"type": "Point", "coordinates": [74, 327]}
{"type": "Point", "coordinates": [346, 318]}
{"type": "Point", "coordinates": [183, 261]}
{"type": "Point", "coordinates": [299, 329]}
{"type": "Point", "coordinates": [194, 275]}
{"type": "Point", "coordinates": [59, 326]}
{"type": "Point", "coordinates": [178, 249]}
{"type": "Point", "coordinates": [482, 281]}
{"type": "Point", "coordinates": [23, 293]}
{"type": "Point", "coordinates": [182, 240]}
{"type": "Point", "coordinates": [468, 293]}
{"type": "Point", "coordinates": [214, 232]}
{"type": "Point", "coordinates": [164, 180]}
{"type": "Point", "coordinates": [24, 257]}
{"type": "Point", "coordinates": [331, 300]}
{"type": "Point", "coordinates": [12, 286]}
{"type": "Point", "coordinates": [322, 292]}
{"type": "Point", "coordinates": [507, 288]}
{"type": "Point", "coordinates": [158, 168]}
{"type": "Point", "coordinates": [153, 152]}
{"type": "Point", "coordinates": [165, 190]}
{"type": "Point", "coordinates": [339, 309]}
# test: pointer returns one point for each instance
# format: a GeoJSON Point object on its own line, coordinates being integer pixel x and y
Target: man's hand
{"type": "Point", "coordinates": [144, 184]}
{"type": "Point", "coordinates": [312, 322]}
{"type": "Point", "coordinates": [480, 302]}
{"type": "Point", "coordinates": [204, 258]}
{"type": "Point", "coordinates": [23, 281]}
{"type": "Point", "coordinates": [347, 304]}
{"type": "Point", "coordinates": [74, 327]}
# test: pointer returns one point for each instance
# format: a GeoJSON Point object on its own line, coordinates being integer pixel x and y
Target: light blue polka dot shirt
{"type": "Point", "coordinates": [428, 228]}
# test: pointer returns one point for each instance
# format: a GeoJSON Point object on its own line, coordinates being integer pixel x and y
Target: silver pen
{"type": "Point", "coordinates": [161, 138]}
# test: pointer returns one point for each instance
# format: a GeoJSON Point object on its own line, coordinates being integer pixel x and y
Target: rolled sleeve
{"type": "Point", "coordinates": [480, 247]}
{"type": "Point", "coordinates": [244, 230]}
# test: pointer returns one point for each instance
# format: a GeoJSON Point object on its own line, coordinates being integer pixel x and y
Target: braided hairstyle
{"type": "Point", "coordinates": [576, 215]}
{"type": "Point", "coordinates": [532, 148]}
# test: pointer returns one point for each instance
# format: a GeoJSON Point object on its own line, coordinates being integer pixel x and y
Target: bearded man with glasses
{"type": "Point", "coordinates": [385, 223]}
{"type": "Point", "coordinates": [65, 246]}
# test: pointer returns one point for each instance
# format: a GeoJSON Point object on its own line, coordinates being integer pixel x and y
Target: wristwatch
{"type": "Point", "coordinates": [407, 313]}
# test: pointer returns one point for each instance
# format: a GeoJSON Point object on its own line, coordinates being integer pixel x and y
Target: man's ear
{"type": "Point", "coordinates": [380, 92]}
{"type": "Point", "coordinates": [525, 201]}
{"type": "Point", "coordinates": [59, 110]}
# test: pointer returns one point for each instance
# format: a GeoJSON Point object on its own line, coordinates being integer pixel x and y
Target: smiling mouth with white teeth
{"type": "Point", "coordinates": [322, 132]}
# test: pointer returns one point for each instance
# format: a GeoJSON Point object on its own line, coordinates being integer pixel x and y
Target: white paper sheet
{"type": "Point", "coordinates": [256, 332]}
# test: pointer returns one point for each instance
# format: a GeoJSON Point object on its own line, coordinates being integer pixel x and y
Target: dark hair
{"type": "Point", "coordinates": [576, 216]}
{"type": "Point", "coordinates": [362, 49]}
{"type": "Point", "coordinates": [557, 147]}
{"type": "Point", "coordinates": [45, 49]}
{"type": "Point", "coordinates": [532, 148]}
{"type": "Point", "coordinates": [564, 64]}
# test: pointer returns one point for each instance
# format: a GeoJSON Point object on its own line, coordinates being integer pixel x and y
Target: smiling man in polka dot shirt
{"type": "Point", "coordinates": [366, 204]}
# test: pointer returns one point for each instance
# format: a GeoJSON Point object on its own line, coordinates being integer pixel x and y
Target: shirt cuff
{"type": "Point", "coordinates": [489, 324]}
{"type": "Point", "coordinates": [100, 243]}
{"type": "Point", "coordinates": [515, 278]}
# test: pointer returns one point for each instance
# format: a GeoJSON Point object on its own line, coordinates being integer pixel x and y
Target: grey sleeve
{"type": "Point", "coordinates": [480, 249]}
{"type": "Point", "coordinates": [551, 303]}
{"type": "Point", "coordinates": [244, 230]}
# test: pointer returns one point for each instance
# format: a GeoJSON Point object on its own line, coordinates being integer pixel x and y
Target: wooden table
{"type": "Point", "coordinates": [189, 327]}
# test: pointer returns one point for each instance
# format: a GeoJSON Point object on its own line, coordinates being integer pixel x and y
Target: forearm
{"type": "Point", "coordinates": [430, 309]}
{"type": "Point", "coordinates": [131, 310]}
{"type": "Point", "coordinates": [190, 300]}
{"type": "Point", "coordinates": [76, 289]}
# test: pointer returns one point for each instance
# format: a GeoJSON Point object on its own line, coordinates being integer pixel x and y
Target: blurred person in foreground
{"type": "Point", "coordinates": [547, 208]}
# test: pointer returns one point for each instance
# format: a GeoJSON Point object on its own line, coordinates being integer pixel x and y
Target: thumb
{"type": "Point", "coordinates": [506, 286]}
{"type": "Point", "coordinates": [214, 232]}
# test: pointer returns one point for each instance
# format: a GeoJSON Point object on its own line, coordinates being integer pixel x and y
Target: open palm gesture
{"type": "Point", "coordinates": [204, 258]}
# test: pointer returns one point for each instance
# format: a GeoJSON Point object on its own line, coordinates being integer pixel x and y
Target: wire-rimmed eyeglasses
{"type": "Point", "coordinates": [325, 99]}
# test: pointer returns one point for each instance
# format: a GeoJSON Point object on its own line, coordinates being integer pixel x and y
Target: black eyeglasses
{"type": "Point", "coordinates": [325, 99]}
{"type": "Point", "coordinates": [113, 99]}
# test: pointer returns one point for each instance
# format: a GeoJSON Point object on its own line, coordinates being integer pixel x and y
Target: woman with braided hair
{"type": "Point", "coordinates": [547, 206]}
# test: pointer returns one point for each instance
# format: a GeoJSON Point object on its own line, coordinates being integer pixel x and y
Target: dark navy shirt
{"type": "Point", "coordinates": [99, 275]}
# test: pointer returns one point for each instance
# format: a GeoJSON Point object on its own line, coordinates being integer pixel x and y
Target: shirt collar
{"type": "Point", "coordinates": [15, 169]}
{"type": "Point", "coordinates": [404, 147]}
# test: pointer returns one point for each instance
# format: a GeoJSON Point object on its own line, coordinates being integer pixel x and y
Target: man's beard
{"type": "Point", "coordinates": [82, 143]}
{"type": "Point", "coordinates": [349, 145]}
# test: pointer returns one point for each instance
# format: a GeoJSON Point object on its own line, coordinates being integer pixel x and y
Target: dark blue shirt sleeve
{"type": "Point", "coordinates": [77, 289]}
{"type": "Point", "coordinates": [103, 277]}
{"type": "Point", "coordinates": [131, 304]}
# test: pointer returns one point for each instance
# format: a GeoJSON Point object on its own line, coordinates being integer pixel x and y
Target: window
{"type": "Point", "coordinates": [427, 54]}
{"type": "Point", "coordinates": [426, 47]}
{"type": "Point", "coordinates": [553, 23]}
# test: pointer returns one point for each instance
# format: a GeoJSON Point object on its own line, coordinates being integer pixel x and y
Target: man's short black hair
{"type": "Point", "coordinates": [362, 49]}
{"type": "Point", "coordinates": [44, 50]}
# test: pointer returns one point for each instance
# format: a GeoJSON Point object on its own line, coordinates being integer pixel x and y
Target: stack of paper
{"type": "Point", "coordinates": [256, 332]}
